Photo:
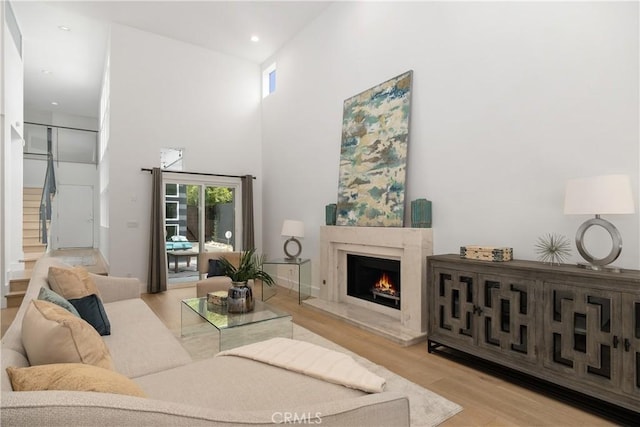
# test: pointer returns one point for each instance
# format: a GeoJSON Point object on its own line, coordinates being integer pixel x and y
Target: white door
{"type": "Point", "coordinates": [75, 216]}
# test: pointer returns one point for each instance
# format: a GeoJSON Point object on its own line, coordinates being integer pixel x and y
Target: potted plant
{"type": "Point", "coordinates": [240, 298]}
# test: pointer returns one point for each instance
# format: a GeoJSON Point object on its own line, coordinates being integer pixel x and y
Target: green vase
{"type": "Point", "coordinates": [421, 213]}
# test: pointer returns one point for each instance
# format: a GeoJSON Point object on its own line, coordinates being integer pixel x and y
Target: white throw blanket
{"type": "Point", "coordinates": [312, 360]}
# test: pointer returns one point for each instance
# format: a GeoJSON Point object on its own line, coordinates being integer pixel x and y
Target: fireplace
{"type": "Point", "coordinates": [374, 279]}
{"type": "Point", "coordinates": [405, 323]}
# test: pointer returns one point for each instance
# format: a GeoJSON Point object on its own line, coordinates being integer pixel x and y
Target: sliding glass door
{"type": "Point", "coordinates": [200, 216]}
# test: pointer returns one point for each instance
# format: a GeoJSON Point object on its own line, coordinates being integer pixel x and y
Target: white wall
{"type": "Point", "coordinates": [165, 93]}
{"type": "Point", "coordinates": [103, 158]}
{"type": "Point", "coordinates": [510, 99]}
{"type": "Point", "coordinates": [4, 278]}
{"type": "Point", "coordinates": [11, 128]}
{"type": "Point", "coordinates": [34, 171]}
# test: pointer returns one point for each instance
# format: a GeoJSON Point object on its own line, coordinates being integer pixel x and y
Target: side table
{"type": "Point", "coordinates": [277, 267]}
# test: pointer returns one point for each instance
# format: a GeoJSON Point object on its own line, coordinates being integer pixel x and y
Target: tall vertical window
{"type": "Point", "coordinates": [269, 80]}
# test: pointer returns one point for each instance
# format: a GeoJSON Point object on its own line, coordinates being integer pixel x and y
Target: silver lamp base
{"type": "Point", "coordinates": [616, 247]}
{"type": "Point", "coordinates": [292, 256]}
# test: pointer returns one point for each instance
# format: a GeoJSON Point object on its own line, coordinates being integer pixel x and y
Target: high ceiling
{"type": "Point", "coordinates": [66, 66]}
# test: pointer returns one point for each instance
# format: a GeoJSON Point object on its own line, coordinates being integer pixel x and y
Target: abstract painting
{"type": "Point", "coordinates": [373, 155]}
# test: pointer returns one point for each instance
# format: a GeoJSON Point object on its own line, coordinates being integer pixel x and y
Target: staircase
{"type": "Point", "coordinates": [31, 245]}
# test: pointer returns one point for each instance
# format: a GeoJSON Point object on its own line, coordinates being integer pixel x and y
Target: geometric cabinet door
{"type": "Point", "coordinates": [453, 301]}
{"type": "Point", "coordinates": [506, 316]}
{"type": "Point", "coordinates": [630, 344]}
{"type": "Point", "coordinates": [496, 313]}
{"type": "Point", "coordinates": [583, 333]}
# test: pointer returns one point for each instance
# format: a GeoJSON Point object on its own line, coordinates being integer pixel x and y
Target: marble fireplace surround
{"type": "Point", "coordinates": [409, 245]}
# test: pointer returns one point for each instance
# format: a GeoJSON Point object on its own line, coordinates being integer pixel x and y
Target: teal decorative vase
{"type": "Point", "coordinates": [330, 214]}
{"type": "Point", "coordinates": [240, 298]}
{"type": "Point", "coordinates": [421, 213]}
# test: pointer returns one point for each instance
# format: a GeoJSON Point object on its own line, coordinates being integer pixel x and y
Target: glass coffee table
{"type": "Point", "coordinates": [212, 328]}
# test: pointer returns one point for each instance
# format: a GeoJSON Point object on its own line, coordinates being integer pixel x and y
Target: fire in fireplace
{"type": "Point", "coordinates": [374, 279]}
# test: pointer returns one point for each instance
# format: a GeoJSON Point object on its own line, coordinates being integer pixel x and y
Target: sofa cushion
{"type": "Point", "coordinates": [215, 269]}
{"type": "Point", "coordinates": [72, 377]}
{"type": "Point", "coordinates": [92, 310]}
{"type": "Point", "coordinates": [50, 334]}
{"type": "Point", "coordinates": [140, 343]}
{"type": "Point", "coordinates": [10, 358]}
{"type": "Point", "coordinates": [72, 283]}
{"type": "Point", "coordinates": [48, 295]}
{"type": "Point", "coordinates": [277, 387]}
{"type": "Point", "coordinates": [204, 257]}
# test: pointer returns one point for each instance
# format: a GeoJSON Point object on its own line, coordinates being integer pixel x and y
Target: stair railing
{"type": "Point", "coordinates": [48, 190]}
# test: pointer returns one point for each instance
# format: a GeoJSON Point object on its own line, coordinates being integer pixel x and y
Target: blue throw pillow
{"type": "Point", "coordinates": [215, 268]}
{"type": "Point", "coordinates": [50, 296]}
{"type": "Point", "coordinates": [92, 311]}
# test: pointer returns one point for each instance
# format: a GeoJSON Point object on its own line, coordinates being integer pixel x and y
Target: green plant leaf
{"type": "Point", "coordinates": [249, 267]}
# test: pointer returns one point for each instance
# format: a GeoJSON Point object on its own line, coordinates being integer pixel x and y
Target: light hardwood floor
{"type": "Point", "coordinates": [487, 397]}
{"type": "Point", "coordinates": [487, 400]}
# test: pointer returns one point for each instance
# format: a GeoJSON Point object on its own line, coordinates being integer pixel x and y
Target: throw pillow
{"type": "Point", "coordinates": [50, 334]}
{"type": "Point", "coordinates": [214, 268]}
{"type": "Point", "coordinates": [48, 295]}
{"type": "Point", "coordinates": [71, 283]}
{"type": "Point", "coordinates": [91, 309]}
{"type": "Point", "coordinates": [73, 377]}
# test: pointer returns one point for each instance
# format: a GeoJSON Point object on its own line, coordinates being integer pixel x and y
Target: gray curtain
{"type": "Point", "coordinates": [248, 241]}
{"type": "Point", "coordinates": [157, 255]}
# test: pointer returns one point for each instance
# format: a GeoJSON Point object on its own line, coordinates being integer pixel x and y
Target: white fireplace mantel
{"type": "Point", "coordinates": [409, 245]}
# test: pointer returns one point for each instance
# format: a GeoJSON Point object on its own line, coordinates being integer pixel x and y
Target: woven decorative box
{"type": "Point", "coordinates": [217, 298]}
{"type": "Point", "coordinates": [486, 253]}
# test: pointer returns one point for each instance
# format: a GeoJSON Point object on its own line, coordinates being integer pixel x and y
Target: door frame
{"type": "Point", "coordinates": [210, 181]}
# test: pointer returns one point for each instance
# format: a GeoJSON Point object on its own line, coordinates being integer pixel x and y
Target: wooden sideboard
{"type": "Point", "coordinates": [564, 324]}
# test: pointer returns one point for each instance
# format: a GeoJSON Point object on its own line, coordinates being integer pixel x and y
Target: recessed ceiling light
{"type": "Point", "coordinates": [255, 38]}
{"type": "Point", "coordinates": [64, 28]}
{"type": "Point", "coordinates": [54, 103]}
{"type": "Point", "coordinates": [46, 71]}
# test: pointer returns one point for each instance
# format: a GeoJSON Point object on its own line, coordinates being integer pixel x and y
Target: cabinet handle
{"type": "Point", "coordinates": [627, 344]}
{"type": "Point", "coordinates": [615, 341]}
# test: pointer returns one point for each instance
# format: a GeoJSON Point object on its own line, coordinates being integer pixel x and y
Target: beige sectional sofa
{"type": "Point", "coordinates": [225, 390]}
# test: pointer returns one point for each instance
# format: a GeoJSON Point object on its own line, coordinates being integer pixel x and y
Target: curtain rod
{"type": "Point", "coordinates": [197, 173]}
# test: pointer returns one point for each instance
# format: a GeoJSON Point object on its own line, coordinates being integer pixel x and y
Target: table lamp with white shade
{"type": "Point", "coordinates": [599, 195]}
{"type": "Point", "coordinates": [292, 229]}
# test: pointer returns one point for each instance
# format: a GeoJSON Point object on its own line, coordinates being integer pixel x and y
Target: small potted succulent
{"type": "Point", "coordinates": [240, 299]}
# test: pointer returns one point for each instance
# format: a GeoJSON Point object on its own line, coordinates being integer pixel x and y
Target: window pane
{"type": "Point", "coordinates": [272, 81]}
{"type": "Point", "coordinates": [171, 210]}
{"type": "Point", "coordinates": [219, 218]}
{"type": "Point", "coordinates": [77, 146]}
{"type": "Point", "coordinates": [171, 158]}
{"type": "Point", "coordinates": [269, 80]}
{"type": "Point", "coordinates": [35, 137]}
{"type": "Point", "coordinates": [193, 212]}
{"type": "Point", "coordinates": [171, 189]}
{"type": "Point", "coordinates": [171, 230]}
